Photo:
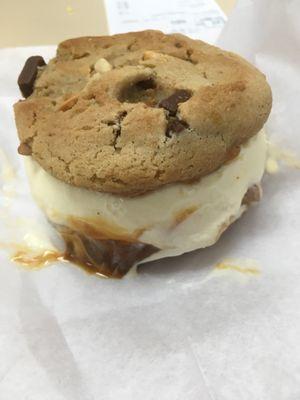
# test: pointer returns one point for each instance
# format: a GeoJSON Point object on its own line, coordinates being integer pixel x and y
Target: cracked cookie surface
{"type": "Point", "coordinates": [129, 113]}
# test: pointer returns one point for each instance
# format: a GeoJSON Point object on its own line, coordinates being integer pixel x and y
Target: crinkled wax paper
{"type": "Point", "coordinates": [182, 328]}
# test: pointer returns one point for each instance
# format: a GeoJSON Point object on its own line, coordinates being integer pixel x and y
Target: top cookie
{"type": "Point", "coordinates": [130, 113]}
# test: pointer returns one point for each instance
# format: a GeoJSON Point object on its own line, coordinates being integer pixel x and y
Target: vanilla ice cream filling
{"type": "Point", "coordinates": [176, 218]}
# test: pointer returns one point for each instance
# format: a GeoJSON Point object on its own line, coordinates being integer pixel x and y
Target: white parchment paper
{"type": "Point", "coordinates": [181, 328]}
{"type": "Point", "coordinates": [196, 18]}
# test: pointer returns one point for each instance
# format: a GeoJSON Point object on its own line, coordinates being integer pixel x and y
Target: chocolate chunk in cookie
{"type": "Point", "coordinates": [171, 103]}
{"type": "Point", "coordinates": [175, 125]}
{"type": "Point", "coordinates": [28, 74]}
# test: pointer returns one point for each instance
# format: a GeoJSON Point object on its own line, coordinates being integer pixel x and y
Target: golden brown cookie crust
{"type": "Point", "coordinates": [105, 131]}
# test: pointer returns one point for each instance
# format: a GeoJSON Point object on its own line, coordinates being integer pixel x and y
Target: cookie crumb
{"type": "Point", "coordinates": [24, 149]}
{"type": "Point", "coordinates": [253, 195]}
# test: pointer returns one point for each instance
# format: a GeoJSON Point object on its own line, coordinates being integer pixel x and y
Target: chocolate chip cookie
{"type": "Point", "coordinates": [130, 113]}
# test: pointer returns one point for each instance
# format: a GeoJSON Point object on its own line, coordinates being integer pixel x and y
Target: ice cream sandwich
{"type": "Point", "coordinates": [141, 145]}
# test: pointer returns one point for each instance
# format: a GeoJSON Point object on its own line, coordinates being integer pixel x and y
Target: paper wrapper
{"type": "Point", "coordinates": [192, 327]}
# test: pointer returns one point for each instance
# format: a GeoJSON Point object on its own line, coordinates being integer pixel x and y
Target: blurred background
{"type": "Point", "coordinates": [40, 22]}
